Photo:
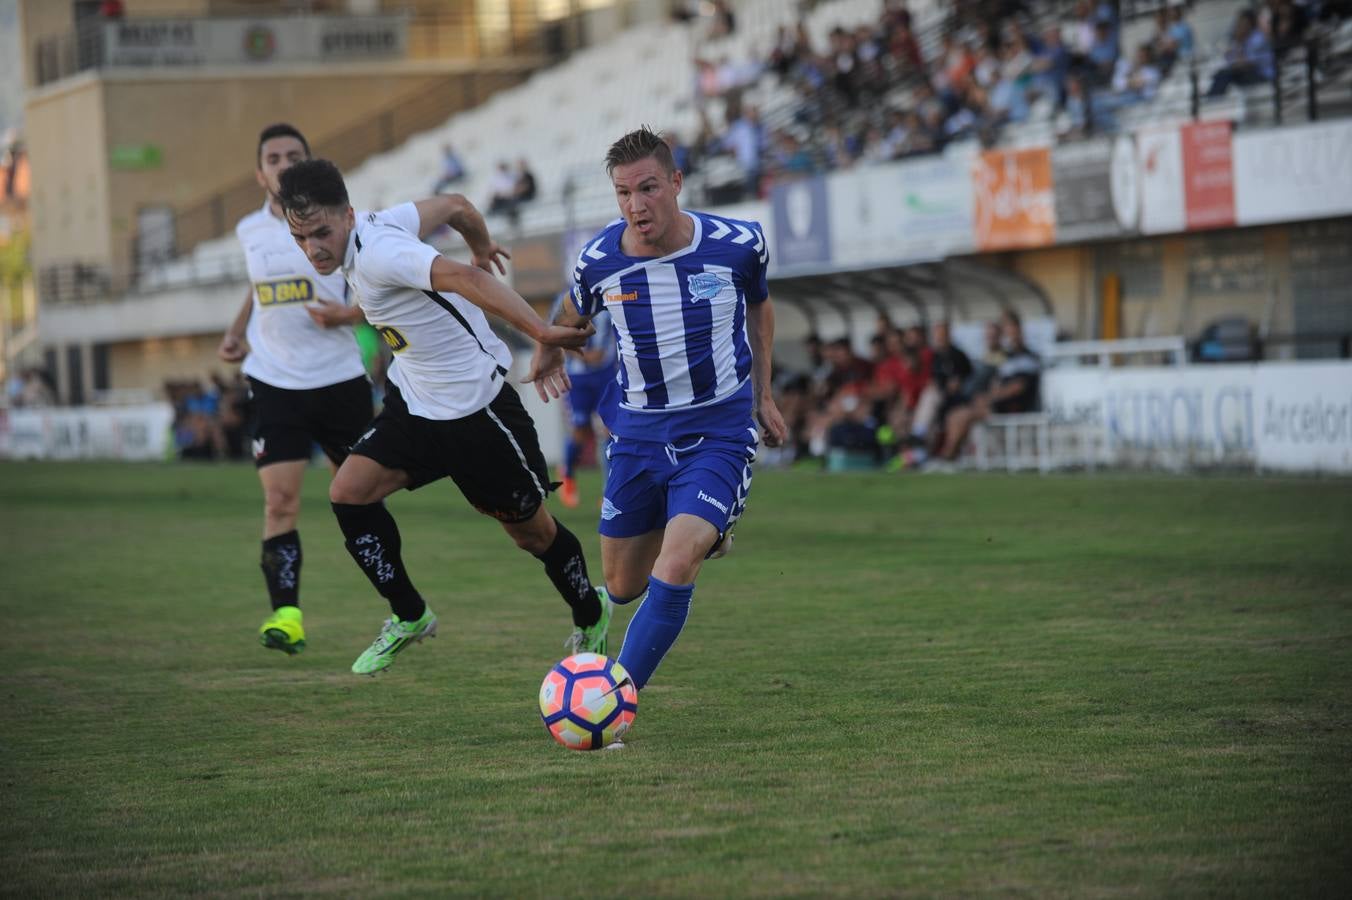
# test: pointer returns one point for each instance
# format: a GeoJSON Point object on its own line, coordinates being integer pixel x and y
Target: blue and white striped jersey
{"type": "Point", "coordinates": [603, 339]}
{"type": "Point", "coordinates": [680, 321]}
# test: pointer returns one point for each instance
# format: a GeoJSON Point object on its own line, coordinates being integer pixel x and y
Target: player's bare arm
{"type": "Point", "coordinates": [456, 211]}
{"type": "Point", "coordinates": [327, 314]}
{"type": "Point", "coordinates": [547, 372]}
{"type": "Point", "coordinates": [233, 348]}
{"type": "Point", "coordinates": [760, 325]}
{"type": "Point", "coordinates": [492, 296]}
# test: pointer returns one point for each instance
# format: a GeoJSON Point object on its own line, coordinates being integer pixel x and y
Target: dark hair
{"type": "Point", "coordinates": [640, 144]}
{"type": "Point", "coordinates": [281, 129]}
{"type": "Point", "coordinates": [311, 185]}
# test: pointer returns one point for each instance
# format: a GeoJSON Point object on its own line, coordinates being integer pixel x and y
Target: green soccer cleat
{"type": "Point", "coordinates": [283, 631]}
{"type": "Point", "coordinates": [593, 639]}
{"type": "Point", "coordinates": [394, 636]}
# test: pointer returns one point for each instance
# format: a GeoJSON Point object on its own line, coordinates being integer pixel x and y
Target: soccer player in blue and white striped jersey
{"type": "Point", "coordinates": [688, 299]}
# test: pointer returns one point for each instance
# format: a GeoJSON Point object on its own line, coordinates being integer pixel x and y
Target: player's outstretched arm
{"type": "Point", "coordinates": [492, 296]}
{"type": "Point", "coordinates": [233, 349]}
{"type": "Point", "coordinates": [760, 326]}
{"type": "Point", "coordinates": [547, 371]}
{"type": "Point", "coordinates": [456, 211]}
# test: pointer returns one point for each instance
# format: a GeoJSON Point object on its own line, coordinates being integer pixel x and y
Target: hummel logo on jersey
{"type": "Point", "coordinates": [722, 507]}
{"type": "Point", "coordinates": [609, 510]}
{"type": "Point", "coordinates": [706, 285]}
{"type": "Point", "coordinates": [622, 298]}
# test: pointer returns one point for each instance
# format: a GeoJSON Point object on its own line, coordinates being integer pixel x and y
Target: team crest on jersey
{"type": "Point", "coordinates": [706, 285]}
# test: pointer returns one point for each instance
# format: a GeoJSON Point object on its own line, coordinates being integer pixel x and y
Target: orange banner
{"type": "Point", "coordinates": [1014, 202]}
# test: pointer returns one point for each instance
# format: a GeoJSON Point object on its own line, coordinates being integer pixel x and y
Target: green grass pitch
{"type": "Point", "coordinates": [896, 686]}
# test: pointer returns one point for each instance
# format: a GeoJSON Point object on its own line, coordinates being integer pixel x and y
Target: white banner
{"type": "Point", "coordinates": [122, 432]}
{"type": "Point", "coordinates": [1159, 168]}
{"type": "Point", "coordinates": [1293, 417]}
{"type": "Point", "coordinates": [912, 211]}
{"type": "Point", "coordinates": [1297, 173]}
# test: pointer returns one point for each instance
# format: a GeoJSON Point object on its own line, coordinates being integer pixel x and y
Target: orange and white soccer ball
{"type": "Point", "coordinates": [588, 701]}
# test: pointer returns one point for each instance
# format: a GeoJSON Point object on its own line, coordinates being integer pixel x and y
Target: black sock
{"type": "Point", "coordinates": [567, 568]}
{"type": "Point", "coordinates": [281, 568]}
{"type": "Point", "coordinates": [373, 540]}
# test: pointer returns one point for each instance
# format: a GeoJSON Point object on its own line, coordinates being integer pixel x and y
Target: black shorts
{"type": "Point", "coordinates": [492, 455]}
{"type": "Point", "coordinates": [288, 423]}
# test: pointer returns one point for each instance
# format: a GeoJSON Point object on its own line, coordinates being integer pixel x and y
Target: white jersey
{"type": "Point", "coordinates": [286, 348]}
{"type": "Point", "coordinates": [448, 363]}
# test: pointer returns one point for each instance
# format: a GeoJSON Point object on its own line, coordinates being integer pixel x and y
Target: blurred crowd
{"type": "Point", "coordinates": [912, 402]}
{"type": "Point", "coordinates": [877, 93]}
{"type": "Point", "coordinates": [211, 417]}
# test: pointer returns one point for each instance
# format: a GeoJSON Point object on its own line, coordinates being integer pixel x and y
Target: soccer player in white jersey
{"type": "Point", "coordinates": [294, 334]}
{"type": "Point", "coordinates": [688, 300]}
{"type": "Point", "coordinates": [449, 410]}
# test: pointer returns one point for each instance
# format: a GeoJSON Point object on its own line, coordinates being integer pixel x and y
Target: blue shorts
{"type": "Point", "coordinates": [650, 483]}
{"type": "Point", "coordinates": [584, 398]}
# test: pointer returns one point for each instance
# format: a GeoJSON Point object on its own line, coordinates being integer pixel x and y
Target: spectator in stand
{"type": "Point", "coordinates": [452, 169]}
{"type": "Point", "coordinates": [1135, 81]}
{"type": "Point", "coordinates": [36, 389]}
{"type": "Point", "coordinates": [525, 189]}
{"type": "Point", "coordinates": [1050, 66]}
{"type": "Point", "coordinates": [1015, 390]}
{"type": "Point", "coordinates": [1101, 61]}
{"type": "Point", "coordinates": [722, 20]}
{"type": "Point", "coordinates": [1180, 33]}
{"type": "Point", "coordinates": [502, 191]}
{"type": "Point", "coordinates": [1286, 23]}
{"type": "Point", "coordinates": [746, 141]}
{"type": "Point", "coordinates": [791, 158]}
{"type": "Point", "coordinates": [899, 379]}
{"type": "Point", "coordinates": [1074, 122]}
{"type": "Point", "coordinates": [1248, 61]}
{"type": "Point", "coordinates": [840, 151]}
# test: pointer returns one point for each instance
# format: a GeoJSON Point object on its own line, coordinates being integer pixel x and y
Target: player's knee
{"type": "Point", "coordinates": [281, 502]}
{"type": "Point", "coordinates": [535, 535]}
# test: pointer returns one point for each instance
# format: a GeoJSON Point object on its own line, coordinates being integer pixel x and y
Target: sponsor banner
{"type": "Point", "coordinates": [935, 212]}
{"type": "Point", "coordinates": [802, 223]}
{"type": "Point", "coordinates": [124, 432]}
{"type": "Point", "coordinates": [1283, 416]}
{"type": "Point", "coordinates": [1292, 174]}
{"type": "Point", "coordinates": [1013, 199]}
{"type": "Point", "coordinates": [195, 42]}
{"type": "Point", "coordinates": [1208, 179]}
{"type": "Point", "coordinates": [1083, 188]}
{"type": "Point", "coordinates": [1159, 176]}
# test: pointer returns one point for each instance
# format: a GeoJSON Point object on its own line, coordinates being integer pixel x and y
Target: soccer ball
{"type": "Point", "coordinates": [588, 701]}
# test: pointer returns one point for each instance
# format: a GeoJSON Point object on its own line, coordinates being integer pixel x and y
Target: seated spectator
{"type": "Point", "coordinates": [1286, 23]}
{"type": "Point", "coordinates": [1135, 81]}
{"type": "Point", "coordinates": [950, 371]}
{"type": "Point", "coordinates": [1101, 60]}
{"type": "Point", "coordinates": [722, 20]}
{"type": "Point", "coordinates": [1050, 66]}
{"type": "Point", "coordinates": [525, 182]}
{"type": "Point", "coordinates": [1180, 33]}
{"type": "Point", "coordinates": [746, 141]}
{"type": "Point", "coordinates": [791, 158]}
{"type": "Point", "coordinates": [452, 169]}
{"type": "Point", "coordinates": [1015, 390]}
{"type": "Point", "coordinates": [502, 190]}
{"type": "Point", "coordinates": [1248, 61]}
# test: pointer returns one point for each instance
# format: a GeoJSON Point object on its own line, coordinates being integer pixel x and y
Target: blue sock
{"type": "Point", "coordinates": [572, 452]}
{"type": "Point", "coordinates": [656, 625]}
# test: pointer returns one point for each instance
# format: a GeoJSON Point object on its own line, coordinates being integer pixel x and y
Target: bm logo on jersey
{"type": "Point", "coordinates": [285, 290]}
{"type": "Point", "coordinates": [393, 338]}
